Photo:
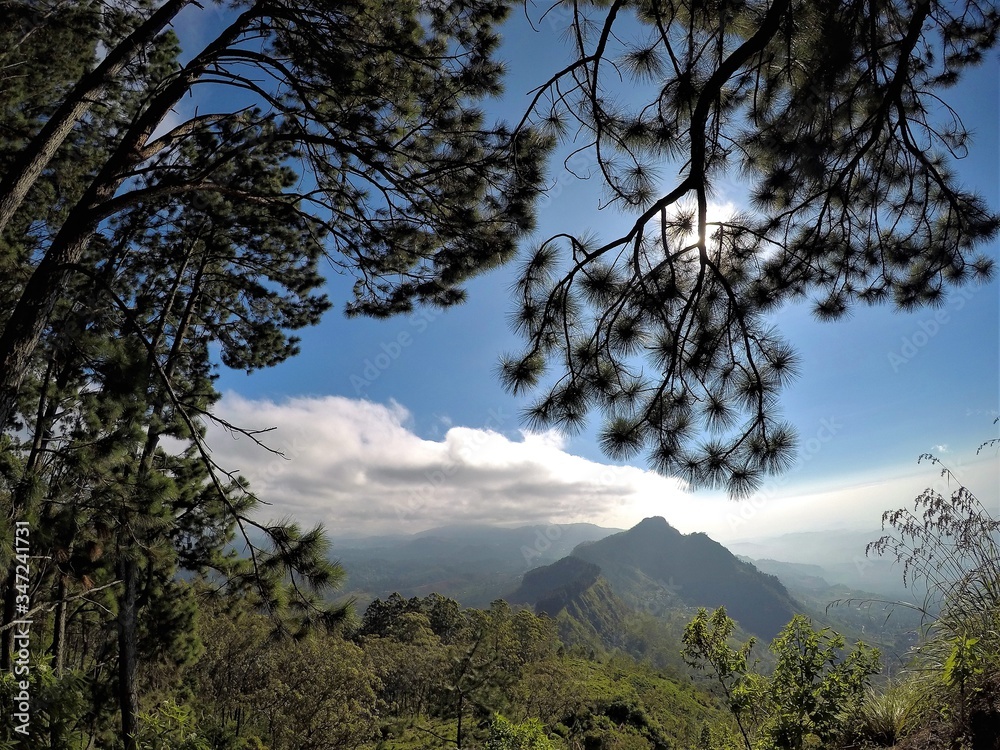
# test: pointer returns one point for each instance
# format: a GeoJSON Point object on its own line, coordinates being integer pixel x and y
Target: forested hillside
{"type": "Point", "coordinates": [653, 565]}
{"type": "Point", "coordinates": [417, 673]}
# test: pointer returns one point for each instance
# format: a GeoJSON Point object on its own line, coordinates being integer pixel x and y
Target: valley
{"type": "Point", "coordinates": [635, 589]}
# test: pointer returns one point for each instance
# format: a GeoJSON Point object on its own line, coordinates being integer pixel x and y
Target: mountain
{"type": "Point", "coordinates": [840, 556]}
{"type": "Point", "coordinates": [795, 576]}
{"type": "Point", "coordinates": [654, 568]}
{"type": "Point", "coordinates": [550, 587]}
{"type": "Point", "coordinates": [474, 564]}
{"type": "Point", "coordinates": [873, 617]}
{"type": "Point", "coordinates": [573, 593]}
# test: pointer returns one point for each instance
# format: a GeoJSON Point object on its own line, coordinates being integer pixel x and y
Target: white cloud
{"type": "Point", "coordinates": [357, 467]}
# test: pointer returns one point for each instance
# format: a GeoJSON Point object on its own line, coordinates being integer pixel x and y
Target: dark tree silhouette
{"type": "Point", "coordinates": [140, 242]}
{"type": "Point", "coordinates": [374, 102]}
{"type": "Point", "coordinates": [831, 113]}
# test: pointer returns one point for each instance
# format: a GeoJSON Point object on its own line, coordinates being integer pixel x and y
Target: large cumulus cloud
{"type": "Point", "coordinates": [355, 466]}
{"type": "Point", "coordinates": [358, 468]}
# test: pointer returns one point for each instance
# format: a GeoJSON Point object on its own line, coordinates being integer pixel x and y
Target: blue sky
{"type": "Point", "coordinates": [402, 424]}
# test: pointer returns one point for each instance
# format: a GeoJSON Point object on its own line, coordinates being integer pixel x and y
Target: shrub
{"type": "Point", "coordinates": [809, 698]}
{"type": "Point", "coordinates": [505, 735]}
{"type": "Point", "coordinates": [887, 716]}
{"type": "Point", "coordinates": [950, 544]}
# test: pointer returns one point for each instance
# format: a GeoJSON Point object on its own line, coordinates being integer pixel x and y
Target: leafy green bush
{"type": "Point", "coordinates": [170, 726]}
{"type": "Point", "coordinates": [808, 699]}
{"type": "Point", "coordinates": [58, 707]}
{"type": "Point", "coordinates": [505, 735]}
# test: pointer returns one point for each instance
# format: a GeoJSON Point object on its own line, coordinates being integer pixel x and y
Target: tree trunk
{"type": "Point", "coordinates": [128, 695]}
{"type": "Point", "coordinates": [59, 636]}
{"type": "Point", "coordinates": [35, 157]}
{"type": "Point", "coordinates": [30, 315]}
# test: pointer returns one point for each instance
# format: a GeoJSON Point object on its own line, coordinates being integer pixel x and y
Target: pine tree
{"type": "Point", "coordinates": [829, 112]}
{"type": "Point", "coordinates": [373, 100]}
{"type": "Point", "coordinates": [129, 245]}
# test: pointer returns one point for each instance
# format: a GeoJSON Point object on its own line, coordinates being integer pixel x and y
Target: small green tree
{"type": "Point", "coordinates": [706, 645]}
{"type": "Point", "coordinates": [814, 687]}
{"type": "Point", "coordinates": [484, 665]}
{"type": "Point", "coordinates": [810, 694]}
{"type": "Point", "coordinates": [410, 662]}
{"type": "Point", "coordinates": [320, 695]}
{"type": "Point", "coordinates": [259, 688]}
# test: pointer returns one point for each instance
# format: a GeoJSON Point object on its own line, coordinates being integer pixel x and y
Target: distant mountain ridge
{"type": "Point", "coordinates": [839, 553]}
{"type": "Point", "coordinates": [552, 586]}
{"type": "Point", "coordinates": [653, 567]}
{"type": "Point", "coordinates": [474, 564]}
{"type": "Point", "coordinates": [633, 589]}
{"type": "Point", "coordinates": [573, 593]}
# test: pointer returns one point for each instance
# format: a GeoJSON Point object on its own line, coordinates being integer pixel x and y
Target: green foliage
{"type": "Point", "coordinates": [57, 704]}
{"type": "Point", "coordinates": [171, 727]}
{"type": "Point", "coordinates": [320, 695]}
{"type": "Point", "coordinates": [814, 687]}
{"type": "Point", "coordinates": [132, 265]}
{"type": "Point", "coordinates": [410, 664]}
{"type": "Point", "coordinates": [615, 700]}
{"type": "Point", "coordinates": [507, 662]}
{"type": "Point", "coordinates": [318, 692]}
{"type": "Point", "coordinates": [888, 715]}
{"type": "Point", "coordinates": [811, 695]}
{"type": "Point", "coordinates": [706, 641]}
{"type": "Point", "coordinates": [706, 645]}
{"type": "Point", "coordinates": [499, 674]}
{"type": "Point", "coordinates": [505, 735]}
{"type": "Point", "coordinates": [964, 663]}
{"type": "Point", "coordinates": [402, 180]}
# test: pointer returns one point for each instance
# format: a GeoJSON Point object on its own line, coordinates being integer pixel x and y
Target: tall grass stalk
{"type": "Point", "coordinates": [949, 544]}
